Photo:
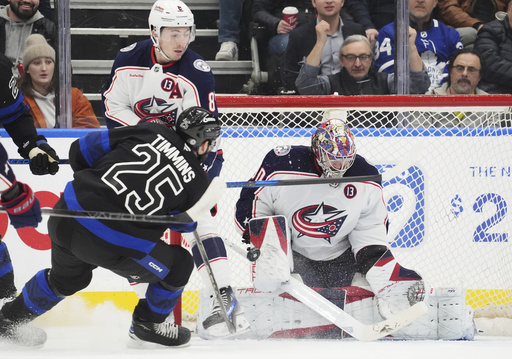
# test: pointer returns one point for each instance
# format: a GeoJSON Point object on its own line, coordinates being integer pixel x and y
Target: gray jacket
{"type": "Point", "coordinates": [14, 34]}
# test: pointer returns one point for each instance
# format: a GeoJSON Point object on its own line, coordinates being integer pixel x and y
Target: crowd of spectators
{"type": "Point", "coordinates": [311, 54]}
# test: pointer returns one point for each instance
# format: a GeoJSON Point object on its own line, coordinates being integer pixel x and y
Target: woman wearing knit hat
{"type": "Point", "coordinates": [38, 85]}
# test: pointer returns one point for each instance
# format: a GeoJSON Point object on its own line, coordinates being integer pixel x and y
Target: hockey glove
{"type": "Point", "coordinates": [43, 159]}
{"type": "Point", "coordinates": [22, 206]}
{"type": "Point", "coordinates": [396, 288]}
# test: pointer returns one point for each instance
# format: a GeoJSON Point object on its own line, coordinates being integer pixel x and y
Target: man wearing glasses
{"type": "Point", "coordinates": [358, 76]}
{"type": "Point", "coordinates": [465, 72]}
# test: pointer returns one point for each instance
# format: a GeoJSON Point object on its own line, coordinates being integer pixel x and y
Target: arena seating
{"type": "Point", "coordinates": [100, 29]}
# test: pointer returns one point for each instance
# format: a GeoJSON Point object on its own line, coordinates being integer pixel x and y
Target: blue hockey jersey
{"type": "Point", "coordinates": [435, 45]}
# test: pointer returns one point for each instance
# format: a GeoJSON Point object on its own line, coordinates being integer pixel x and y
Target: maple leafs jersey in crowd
{"type": "Point", "coordinates": [435, 45]}
{"type": "Point", "coordinates": [139, 87]}
{"type": "Point", "coordinates": [324, 221]}
{"type": "Point", "coordinates": [143, 169]}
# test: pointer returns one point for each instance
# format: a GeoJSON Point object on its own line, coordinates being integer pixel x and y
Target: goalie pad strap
{"type": "Point", "coordinates": [368, 256]}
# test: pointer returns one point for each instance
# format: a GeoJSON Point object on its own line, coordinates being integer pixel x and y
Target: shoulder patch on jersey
{"type": "Point", "coordinates": [282, 150]}
{"type": "Point", "coordinates": [201, 65]}
{"type": "Point", "coordinates": [128, 48]}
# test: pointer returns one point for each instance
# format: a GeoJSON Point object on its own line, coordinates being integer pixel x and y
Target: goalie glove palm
{"type": "Point", "coordinates": [395, 287]}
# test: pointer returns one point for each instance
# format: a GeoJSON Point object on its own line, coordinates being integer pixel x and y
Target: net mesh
{"type": "Point", "coordinates": [448, 212]}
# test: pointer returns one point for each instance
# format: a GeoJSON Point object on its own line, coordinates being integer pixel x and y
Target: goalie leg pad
{"type": "Point", "coordinates": [448, 317]}
{"type": "Point", "coordinates": [455, 318]}
{"type": "Point", "coordinates": [270, 236]}
{"type": "Point", "coordinates": [279, 315]}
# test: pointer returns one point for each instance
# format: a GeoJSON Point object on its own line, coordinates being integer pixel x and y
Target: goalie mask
{"type": "Point", "coordinates": [334, 148]}
{"type": "Point", "coordinates": [170, 13]}
{"type": "Point", "coordinates": [196, 125]}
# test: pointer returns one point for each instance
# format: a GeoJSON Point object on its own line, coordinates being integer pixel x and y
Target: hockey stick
{"type": "Point", "coordinates": [216, 290]}
{"type": "Point", "coordinates": [404, 164]}
{"type": "Point", "coordinates": [205, 203]}
{"type": "Point", "coordinates": [358, 330]}
{"type": "Point", "coordinates": [23, 161]}
{"type": "Point", "coordinates": [391, 173]}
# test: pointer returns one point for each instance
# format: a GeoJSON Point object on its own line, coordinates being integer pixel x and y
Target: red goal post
{"type": "Point", "coordinates": [449, 212]}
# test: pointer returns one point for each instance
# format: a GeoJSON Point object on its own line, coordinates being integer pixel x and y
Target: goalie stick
{"type": "Point", "coordinates": [205, 203]}
{"type": "Point", "coordinates": [216, 290]}
{"type": "Point", "coordinates": [336, 315]}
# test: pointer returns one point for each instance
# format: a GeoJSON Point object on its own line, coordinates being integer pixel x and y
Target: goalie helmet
{"type": "Point", "coordinates": [170, 13]}
{"type": "Point", "coordinates": [196, 125]}
{"type": "Point", "coordinates": [334, 147]}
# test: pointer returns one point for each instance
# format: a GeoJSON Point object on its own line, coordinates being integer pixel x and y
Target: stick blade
{"type": "Point", "coordinates": [389, 326]}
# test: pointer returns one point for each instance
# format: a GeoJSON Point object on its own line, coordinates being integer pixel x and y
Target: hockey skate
{"type": "Point", "coordinates": [21, 334]}
{"type": "Point", "coordinates": [166, 333]}
{"type": "Point", "coordinates": [214, 325]}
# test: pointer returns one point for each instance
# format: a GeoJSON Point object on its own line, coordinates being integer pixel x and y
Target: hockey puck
{"type": "Point", "coordinates": [253, 254]}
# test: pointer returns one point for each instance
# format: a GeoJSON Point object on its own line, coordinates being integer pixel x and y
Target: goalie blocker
{"type": "Point", "coordinates": [387, 290]}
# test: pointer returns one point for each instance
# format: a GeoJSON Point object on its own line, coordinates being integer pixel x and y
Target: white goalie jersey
{"type": "Point", "coordinates": [324, 221]}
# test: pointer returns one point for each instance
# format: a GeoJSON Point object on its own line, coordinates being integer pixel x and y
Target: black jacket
{"type": "Point", "coordinates": [494, 41]}
{"type": "Point", "coordinates": [301, 42]}
{"type": "Point", "coordinates": [375, 84]}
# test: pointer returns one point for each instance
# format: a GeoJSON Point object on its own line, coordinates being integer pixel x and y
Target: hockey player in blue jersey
{"type": "Point", "coordinates": [435, 42]}
{"type": "Point", "coordinates": [17, 198]}
{"type": "Point", "coordinates": [162, 77]}
{"type": "Point", "coordinates": [148, 169]}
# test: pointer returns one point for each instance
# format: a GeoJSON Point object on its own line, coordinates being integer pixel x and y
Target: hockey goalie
{"type": "Point", "coordinates": [333, 238]}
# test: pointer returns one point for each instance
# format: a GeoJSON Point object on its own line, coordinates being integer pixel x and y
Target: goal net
{"type": "Point", "coordinates": [448, 212]}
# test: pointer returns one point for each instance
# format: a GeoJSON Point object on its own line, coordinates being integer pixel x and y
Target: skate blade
{"type": "Point", "coordinates": [135, 343]}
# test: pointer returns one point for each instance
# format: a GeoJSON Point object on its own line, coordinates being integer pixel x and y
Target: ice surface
{"type": "Point", "coordinates": [75, 332]}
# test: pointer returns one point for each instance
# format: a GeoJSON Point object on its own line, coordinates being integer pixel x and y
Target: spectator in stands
{"type": "Point", "coordinates": [468, 16]}
{"type": "Point", "coordinates": [20, 19]}
{"type": "Point", "coordinates": [230, 15]}
{"type": "Point", "coordinates": [465, 70]}
{"type": "Point", "coordinates": [372, 14]}
{"type": "Point", "coordinates": [435, 42]}
{"type": "Point", "coordinates": [494, 41]}
{"type": "Point", "coordinates": [37, 84]}
{"type": "Point", "coordinates": [269, 14]}
{"type": "Point", "coordinates": [322, 36]}
{"type": "Point", "coordinates": [45, 8]}
{"type": "Point", "coordinates": [358, 76]}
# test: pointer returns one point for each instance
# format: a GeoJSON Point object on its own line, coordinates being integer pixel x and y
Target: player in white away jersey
{"type": "Point", "coordinates": [161, 77]}
{"type": "Point", "coordinates": [336, 230]}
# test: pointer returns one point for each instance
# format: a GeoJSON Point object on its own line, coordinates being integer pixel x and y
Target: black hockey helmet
{"type": "Point", "coordinates": [196, 125]}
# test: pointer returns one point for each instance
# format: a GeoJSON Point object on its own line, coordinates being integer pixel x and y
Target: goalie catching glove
{"type": "Point", "coordinates": [395, 287]}
{"type": "Point", "coordinates": [43, 158]}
